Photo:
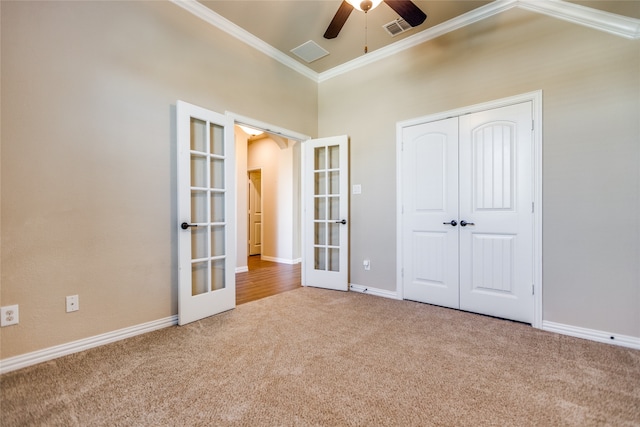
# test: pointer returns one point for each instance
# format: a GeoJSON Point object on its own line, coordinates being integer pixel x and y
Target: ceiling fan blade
{"type": "Point", "coordinates": [408, 11]}
{"type": "Point", "coordinates": [338, 20]}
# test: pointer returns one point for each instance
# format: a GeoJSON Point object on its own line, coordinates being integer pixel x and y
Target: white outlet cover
{"type": "Point", "coordinates": [73, 303]}
{"type": "Point", "coordinates": [10, 315]}
{"type": "Point", "coordinates": [357, 189]}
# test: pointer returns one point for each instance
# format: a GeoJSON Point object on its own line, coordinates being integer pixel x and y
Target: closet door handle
{"type": "Point", "coordinates": [452, 223]}
{"type": "Point", "coordinates": [342, 221]}
{"type": "Point", "coordinates": [464, 223]}
{"type": "Point", "coordinates": [186, 225]}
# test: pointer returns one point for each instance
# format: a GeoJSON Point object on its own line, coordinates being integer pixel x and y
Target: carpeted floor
{"type": "Point", "coordinates": [327, 358]}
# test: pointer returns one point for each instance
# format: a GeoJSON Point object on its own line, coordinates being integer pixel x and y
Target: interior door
{"type": "Point", "coordinates": [255, 212]}
{"type": "Point", "coordinates": [430, 204]}
{"type": "Point", "coordinates": [496, 195]}
{"type": "Point", "coordinates": [206, 211]}
{"type": "Point", "coordinates": [467, 230]}
{"type": "Point", "coordinates": [326, 212]}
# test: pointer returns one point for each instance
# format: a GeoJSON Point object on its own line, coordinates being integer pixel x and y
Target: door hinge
{"type": "Point", "coordinates": [533, 208]}
{"type": "Point", "coordinates": [532, 125]}
{"type": "Point", "coordinates": [533, 289]}
{"type": "Point", "coordinates": [402, 272]}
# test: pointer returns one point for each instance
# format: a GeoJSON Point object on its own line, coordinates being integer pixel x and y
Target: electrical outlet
{"type": "Point", "coordinates": [73, 303]}
{"type": "Point", "coordinates": [10, 315]}
{"type": "Point", "coordinates": [366, 264]}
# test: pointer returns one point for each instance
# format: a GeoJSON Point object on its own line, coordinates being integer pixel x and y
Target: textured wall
{"type": "Point", "coordinates": [591, 161]}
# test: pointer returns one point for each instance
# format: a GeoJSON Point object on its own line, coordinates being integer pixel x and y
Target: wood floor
{"type": "Point", "coordinates": [265, 278]}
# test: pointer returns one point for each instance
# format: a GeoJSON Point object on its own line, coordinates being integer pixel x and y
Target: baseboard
{"type": "Point", "coordinates": [281, 260]}
{"type": "Point", "coordinates": [33, 358]}
{"type": "Point", "coordinates": [592, 334]}
{"type": "Point", "coordinates": [374, 291]}
{"type": "Point", "coordinates": [242, 269]}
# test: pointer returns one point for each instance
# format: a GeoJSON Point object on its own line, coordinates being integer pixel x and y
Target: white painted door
{"type": "Point", "coordinates": [467, 198]}
{"type": "Point", "coordinates": [496, 196]}
{"type": "Point", "coordinates": [326, 211]}
{"type": "Point", "coordinates": [255, 212]}
{"type": "Point", "coordinates": [430, 204]}
{"type": "Point", "coordinates": [206, 211]}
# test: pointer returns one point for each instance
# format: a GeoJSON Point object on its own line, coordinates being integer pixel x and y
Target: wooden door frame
{"type": "Point", "coordinates": [536, 100]}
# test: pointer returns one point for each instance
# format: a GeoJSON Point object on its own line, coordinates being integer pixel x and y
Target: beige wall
{"type": "Point", "coordinates": [591, 161]}
{"type": "Point", "coordinates": [88, 154]}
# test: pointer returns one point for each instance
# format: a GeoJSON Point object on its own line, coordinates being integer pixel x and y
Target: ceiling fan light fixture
{"type": "Point", "coordinates": [364, 5]}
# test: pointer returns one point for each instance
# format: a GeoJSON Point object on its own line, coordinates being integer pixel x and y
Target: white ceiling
{"type": "Point", "coordinates": [287, 24]}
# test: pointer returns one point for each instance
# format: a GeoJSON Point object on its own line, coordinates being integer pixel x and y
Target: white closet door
{"type": "Point", "coordinates": [430, 220]}
{"type": "Point", "coordinates": [496, 247]}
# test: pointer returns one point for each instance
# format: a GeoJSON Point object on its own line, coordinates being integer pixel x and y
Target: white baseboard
{"type": "Point", "coordinates": [242, 269]}
{"type": "Point", "coordinates": [592, 334]}
{"type": "Point", "coordinates": [281, 260]}
{"type": "Point", "coordinates": [374, 291]}
{"type": "Point", "coordinates": [33, 358]}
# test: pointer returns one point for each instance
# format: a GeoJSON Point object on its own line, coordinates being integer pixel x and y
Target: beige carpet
{"type": "Point", "coordinates": [326, 358]}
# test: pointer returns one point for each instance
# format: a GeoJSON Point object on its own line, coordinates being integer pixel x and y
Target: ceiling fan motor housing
{"type": "Point", "coordinates": [366, 5]}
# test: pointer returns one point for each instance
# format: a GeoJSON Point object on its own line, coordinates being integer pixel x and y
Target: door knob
{"type": "Point", "coordinates": [342, 221]}
{"type": "Point", "coordinates": [452, 223]}
{"type": "Point", "coordinates": [464, 223]}
{"type": "Point", "coordinates": [186, 225]}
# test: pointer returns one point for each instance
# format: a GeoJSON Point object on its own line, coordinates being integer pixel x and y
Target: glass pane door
{"type": "Point", "coordinates": [206, 247]}
{"type": "Point", "coordinates": [325, 260]}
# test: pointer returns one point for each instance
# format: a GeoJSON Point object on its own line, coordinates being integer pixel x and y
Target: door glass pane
{"type": "Point", "coordinates": [198, 171]}
{"type": "Point", "coordinates": [217, 241]}
{"type": "Point", "coordinates": [198, 135]}
{"type": "Point", "coordinates": [199, 242]}
{"type": "Point", "coordinates": [334, 157]}
{"type": "Point", "coordinates": [198, 206]}
{"type": "Point", "coordinates": [320, 259]}
{"type": "Point", "coordinates": [199, 278]}
{"type": "Point", "coordinates": [320, 211]}
{"type": "Point", "coordinates": [320, 179]}
{"type": "Point", "coordinates": [334, 234]}
{"type": "Point", "coordinates": [217, 139]}
{"type": "Point", "coordinates": [334, 182]}
{"type": "Point", "coordinates": [217, 275]}
{"type": "Point", "coordinates": [319, 156]}
{"type": "Point", "coordinates": [334, 208]}
{"type": "Point", "coordinates": [217, 173]}
{"type": "Point", "coordinates": [334, 259]}
{"type": "Point", "coordinates": [217, 207]}
{"type": "Point", "coordinates": [320, 233]}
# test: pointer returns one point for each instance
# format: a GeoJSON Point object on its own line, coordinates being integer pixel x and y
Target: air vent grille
{"type": "Point", "coordinates": [310, 51]}
{"type": "Point", "coordinates": [396, 27]}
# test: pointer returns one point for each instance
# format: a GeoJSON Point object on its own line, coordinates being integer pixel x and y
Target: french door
{"type": "Point", "coordinates": [468, 222]}
{"type": "Point", "coordinates": [325, 213]}
{"type": "Point", "coordinates": [206, 212]}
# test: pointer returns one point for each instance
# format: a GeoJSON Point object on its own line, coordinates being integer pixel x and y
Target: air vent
{"type": "Point", "coordinates": [396, 27]}
{"type": "Point", "coordinates": [309, 51]}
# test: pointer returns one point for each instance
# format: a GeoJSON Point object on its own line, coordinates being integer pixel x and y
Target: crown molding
{"type": "Point", "coordinates": [611, 23]}
{"type": "Point", "coordinates": [617, 25]}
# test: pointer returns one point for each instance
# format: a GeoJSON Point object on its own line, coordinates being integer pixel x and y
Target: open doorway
{"type": "Point", "coordinates": [268, 205]}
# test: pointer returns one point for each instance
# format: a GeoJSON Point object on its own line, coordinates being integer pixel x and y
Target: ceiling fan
{"type": "Point", "coordinates": [405, 8]}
